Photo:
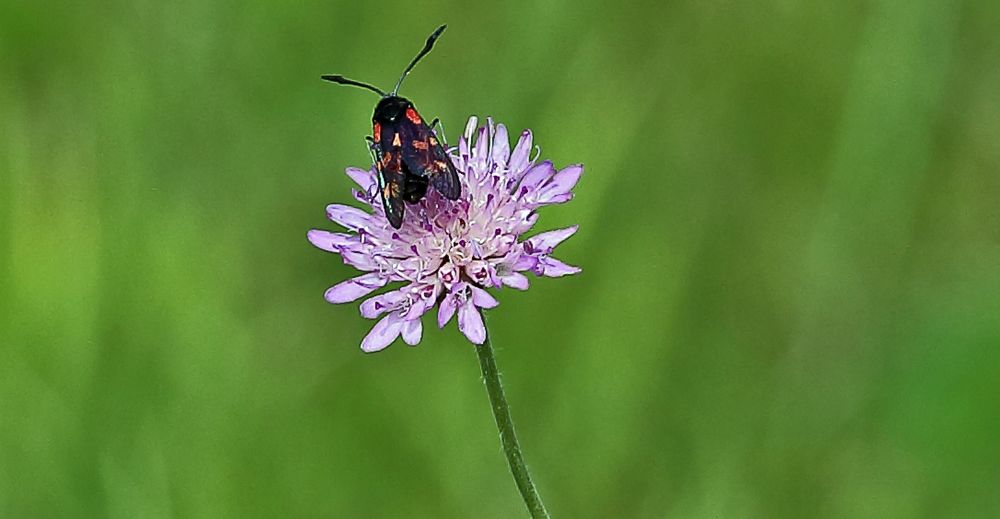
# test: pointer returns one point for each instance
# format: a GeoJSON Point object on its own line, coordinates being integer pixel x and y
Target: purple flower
{"type": "Point", "coordinates": [448, 253]}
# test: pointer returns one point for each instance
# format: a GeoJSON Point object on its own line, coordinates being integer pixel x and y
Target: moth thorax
{"type": "Point", "coordinates": [391, 109]}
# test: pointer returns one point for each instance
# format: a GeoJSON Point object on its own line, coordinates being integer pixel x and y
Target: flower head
{"type": "Point", "coordinates": [449, 252]}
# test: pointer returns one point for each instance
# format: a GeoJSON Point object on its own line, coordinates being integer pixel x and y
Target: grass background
{"type": "Point", "coordinates": [790, 235]}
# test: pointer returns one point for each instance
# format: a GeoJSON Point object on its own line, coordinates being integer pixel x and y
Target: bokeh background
{"type": "Point", "coordinates": [789, 229]}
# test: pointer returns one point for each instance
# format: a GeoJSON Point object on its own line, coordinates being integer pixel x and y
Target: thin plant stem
{"type": "Point", "coordinates": [491, 377]}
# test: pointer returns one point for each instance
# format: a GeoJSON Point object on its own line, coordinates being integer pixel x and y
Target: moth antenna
{"type": "Point", "coordinates": [344, 81]}
{"type": "Point", "coordinates": [427, 48]}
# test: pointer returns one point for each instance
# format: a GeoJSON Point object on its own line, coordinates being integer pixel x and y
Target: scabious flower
{"type": "Point", "coordinates": [449, 252]}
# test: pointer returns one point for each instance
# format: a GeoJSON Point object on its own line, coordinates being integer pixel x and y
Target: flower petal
{"type": "Point", "coordinates": [364, 178]}
{"type": "Point", "coordinates": [518, 162]}
{"type": "Point", "coordinates": [358, 257]}
{"type": "Point", "coordinates": [524, 220]}
{"type": "Point", "coordinates": [382, 334]}
{"type": "Point", "coordinates": [328, 241]}
{"type": "Point", "coordinates": [448, 274]}
{"type": "Point", "coordinates": [481, 272]}
{"type": "Point", "coordinates": [482, 143]}
{"type": "Point", "coordinates": [553, 268]}
{"type": "Point", "coordinates": [412, 330]}
{"type": "Point", "coordinates": [350, 217]}
{"type": "Point", "coordinates": [548, 199]}
{"type": "Point", "coordinates": [446, 309]}
{"type": "Point", "coordinates": [525, 262]}
{"type": "Point", "coordinates": [501, 145]}
{"type": "Point", "coordinates": [535, 176]}
{"type": "Point", "coordinates": [470, 323]}
{"type": "Point", "coordinates": [463, 155]}
{"type": "Point", "coordinates": [418, 308]}
{"type": "Point", "coordinates": [546, 241]}
{"type": "Point", "coordinates": [483, 299]}
{"type": "Point", "coordinates": [515, 280]}
{"type": "Point", "coordinates": [351, 289]}
{"type": "Point", "coordinates": [561, 184]}
{"type": "Point", "coordinates": [382, 303]}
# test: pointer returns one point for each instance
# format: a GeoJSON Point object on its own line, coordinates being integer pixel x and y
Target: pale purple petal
{"type": "Point", "coordinates": [561, 183]}
{"type": "Point", "coordinates": [358, 258]}
{"type": "Point", "coordinates": [364, 198]}
{"type": "Point", "coordinates": [515, 280]}
{"type": "Point", "coordinates": [445, 310]}
{"type": "Point", "coordinates": [526, 219]}
{"type": "Point", "coordinates": [549, 199]}
{"type": "Point", "coordinates": [350, 217]}
{"type": "Point", "coordinates": [482, 141]}
{"type": "Point", "coordinates": [382, 334]}
{"type": "Point", "coordinates": [546, 241]}
{"type": "Point", "coordinates": [483, 299]}
{"type": "Point", "coordinates": [535, 176]}
{"type": "Point", "coordinates": [412, 330]}
{"type": "Point", "coordinates": [554, 268]}
{"type": "Point", "coordinates": [364, 178]}
{"type": "Point", "coordinates": [448, 274]}
{"type": "Point", "coordinates": [463, 153]}
{"type": "Point", "coordinates": [382, 303]}
{"type": "Point", "coordinates": [470, 323]}
{"type": "Point", "coordinates": [418, 308]}
{"type": "Point", "coordinates": [525, 262]}
{"type": "Point", "coordinates": [480, 272]}
{"type": "Point", "coordinates": [519, 157]}
{"type": "Point", "coordinates": [329, 241]}
{"type": "Point", "coordinates": [479, 155]}
{"type": "Point", "coordinates": [428, 292]}
{"type": "Point", "coordinates": [347, 291]}
{"type": "Point", "coordinates": [501, 145]}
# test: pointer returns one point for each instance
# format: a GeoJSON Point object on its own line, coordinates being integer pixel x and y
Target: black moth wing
{"type": "Point", "coordinates": [425, 157]}
{"type": "Point", "coordinates": [391, 182]}
{"type": "Point", "coordinates": [399, 136]}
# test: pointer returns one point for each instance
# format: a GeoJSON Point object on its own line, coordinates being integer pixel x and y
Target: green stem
{"type": "Point", "coordinates": [491, 376]}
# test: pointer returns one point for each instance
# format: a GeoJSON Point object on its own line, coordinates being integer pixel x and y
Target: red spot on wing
{"type": "Point", "coordinates": [413, 116]}
{"type": "Point", "coordinates": [377, 132]}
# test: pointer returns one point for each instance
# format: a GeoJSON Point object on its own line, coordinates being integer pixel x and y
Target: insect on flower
{"type": "Point", "coordinates": [406, 151]}
{"type": "Point", "coordinates": [449, 254]}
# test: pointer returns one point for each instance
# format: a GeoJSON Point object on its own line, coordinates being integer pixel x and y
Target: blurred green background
{"type": "Point", "coordinates": [790, 235]}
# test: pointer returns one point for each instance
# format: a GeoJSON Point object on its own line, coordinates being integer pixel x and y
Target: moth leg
{"type": "Point", "coordinates": [376, 159]}
{"type": "Point", "coordinates": [372, 147]}
{"type": "Point", "coordinates": [435, 124]}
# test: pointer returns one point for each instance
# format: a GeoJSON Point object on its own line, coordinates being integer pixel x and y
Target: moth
{"type": "Point", "coordinates": [407, 153]}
